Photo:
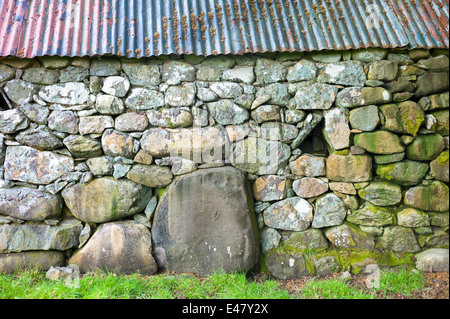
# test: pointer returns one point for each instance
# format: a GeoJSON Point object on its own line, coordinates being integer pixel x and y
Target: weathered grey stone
{"type": "Point", "coordinates": [348, 236]}
{"type": "Point", "coordinates": [360, 96]}
{"type": "Point", "coordinates": [383, 70]}
{"type": "Point", "coordinates": [269, 188]}
{"type": "Point", "coordinates": [433, 197]}
{"type": "Point", "coordinates": [364, 118]}
{"type": "Point", "coordinates": [432, 83]}
{"type": "Point", "coordinates": [26, 164]}
{"type": "Point", "coordinates": [226, 89]}
{"type": "Point", "coordinates": [70, 93]}
{"type": "Point", "coordinates": [95, 124]}
{"type": "Point", "coordinates": [411, 217]}
{"type": "Point", "coordinates": [349, 73]}
{"type": "Point", "coordinates": [285, 266]}
{"type": "Point", "coordinates": [372, 215]}
{"type": "Point", "coordinates": [329, 210]}
{"type": "Point", "coordinates": [310, 239]}
{"type": "Point", "coordinates": [326, 266]}
{"type": "Point", "coordinates": [206, 95]}
{"type": "Point", "coordinates": [83, 146]}
{"type": "Point", "coordinates": [433, 260]}
{"type": "Point", "coordinates": [222, 234]}
{"type": "Point", "coordinates": [14, 263]}
{"type": "Point", "coordinates": [105, 66]}
{"type": "Point", "coordinates": [6, 73]}
{"type": "Point", "coordinates": [63, 121]}
{"type": "Point", "coordinates": [343, 188]}
{"type": "Point", "coordinates": [442, 122]}
{"type": "Point", "coordinates": [435, 239]}
{"type": "Point", "coordinates": [102, 165]}
{"type": "Point", "coordinates": [277, 131]}
{"type": "Point", "coordinates": [315, 97]}
{"type": "Point", "coordinates": [109, 104]}
{"type": "Point", "coordinates": [208, 73]}
{"type": "Point", "coordinates": [278, 94]}
{"type": "Point", "coordinates": [390, 158]}
{"type": "Point", "coordinates": [26, 237]}
{"type": "Point", "coordinates": [132, 254]}
{"type": "Point", "coordinates": [242, 74]}
{"type": "Point", "coordinates": [260, 156]}
{"type": "Point", "coordinates": [142, 74]}
{"type": "Point", "coordinates": [19, 91]}
{"type": "Point", "coordinates": [269, 71]}
{"type": "Point", "coordinates": [181, 96]}
{"type": "Point", "coordinates": [270, 238]}
{"type": "Point", "coordinates": [266, 113]}
{"type": "Point", "coordinates": [12, 121]}
{"type": "Point", "coordinates": [35, 112]}
{"type": "Point", "coordinates": [425, 147]}
{"type": "Point", "coordinates": [294, 116]}
{"type": "Point", "coordinates": [369, 54]}
{"type": "Point", "coordinates": [62, 273]}
{"type": "Point", "coordinates": [170, 117]}
{"type": "Point", "coordinates": [175, 72]}
{"type": "Point", "coordinates": [336, 128]}
{"type": "Point", "coordinates": [40, 137]}
{"type": "Point", "coordinates": [379, 142]}
{"type": "Point", "coordinates": [150, 175]}
{"type": "Point", "coordinates": [381, 193]}
{"type": "Point", "coordinates": [116, 143]}
{"type": "Point", "coordinates": [308, 187]}
{"type": "Point", "coordinates": [220, 62]}
{"type": "Point", "coordinates": [182, 166]}
{"type": "Point", "coordinates": [294, 214]}
{"type": "Point", "coordinates": [73, 74]}
{"type": "Point", "coordinates": [55, 62]}
{"type": "Point", "coordinates": [29, 204]}
{"type": "Point", "coordinates": [40, 76]}
{"type": "Point", "coordinates": [131, 122]}
{"type": "Point", "coordinates": [405, 173]}
{"type": "Point", "coordinates": [349, 168]}
{"type": "Point", "coordinates": [308, 165]}
{"type": "Point", "coordinates": [116, 85]}
{"type": "Point", "coordinates": [226, 112]}
{"type": "Point", "coordinates": [144, 99]}
{"type": "Point", "coordinates": [303, 70]}
{"type": "Point", "coordinates": [105, 199]}
{"type": "Point", "coordinates": [399, 239]}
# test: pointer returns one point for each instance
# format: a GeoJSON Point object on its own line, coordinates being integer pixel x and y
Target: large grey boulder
{"type": "Point", "coordinates": [119, 247]}
{"type": "Point", "coordinates": [433, 260]}
{"type": "Point", "coordinates": [205, 223]}
{"type": "Point", "coordinates": [17, 262]}
{"type": "Point", "coordinates": [106, 199]}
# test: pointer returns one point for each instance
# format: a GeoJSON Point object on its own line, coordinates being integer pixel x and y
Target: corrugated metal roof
{"type": "Point", "coordinates": [136, 28]}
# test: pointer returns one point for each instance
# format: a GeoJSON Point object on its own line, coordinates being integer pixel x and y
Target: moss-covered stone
{"type": "Point", "coordinates": [379, 142]}
{"type": "Point", "coordinates": [425, 147]}
{"type": "Point", "coordinates": [399, 239]}
{"type": "Point", "coordinates": [404, 117]}
{"type": "Point", "coordinates": [381, 193]}
{"type": "Point", "coordinates": [438, 239]}
{"type": "Point", "coordinates": [412, 217]}
{"type": "Point", "coordinates": [405, 173]}
{"type": "Point", "coordinates": [433, 197]}
{"type": "Point", "coordinates": [372, 215]}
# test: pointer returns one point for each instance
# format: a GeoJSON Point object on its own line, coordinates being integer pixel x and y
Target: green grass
{"type": "Point", "coordinates": [32, 284]}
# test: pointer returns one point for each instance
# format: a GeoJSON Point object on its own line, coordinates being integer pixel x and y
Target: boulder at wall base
{"type": "Point", "coordinates": [119, 247]}
{"type": "Point", "coordinates": [106, 199]}
{"type": "Point", "coordinates": [205, 223]}
{"type": "Point", "coordinates": [17, 262]}
{"type": "Point", "coordinates": [433, 260]}
{"type": "Point", "coordinates": [285, 266]}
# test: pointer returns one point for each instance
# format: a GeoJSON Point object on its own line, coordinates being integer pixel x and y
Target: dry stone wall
{"type": "Point", "coordinates": [291, 163]}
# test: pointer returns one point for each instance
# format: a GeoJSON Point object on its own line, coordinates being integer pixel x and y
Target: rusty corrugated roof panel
{"type": "Point", "coordinates": [137, 28]}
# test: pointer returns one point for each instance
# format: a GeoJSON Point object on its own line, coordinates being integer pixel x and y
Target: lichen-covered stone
{"type": "Point", "coordinates": [116, 143]}
{"type": "Point", "coordinates": [35, 112]}
{"type": "Point", "coordinates": [383, 70]}
{"type": "Point", "coordinates": [308, 187]}
{"type": "Point", "coordinates": [83, 146]}
{"type": "Point", "coordinates": [26, 164]}
{"type": "Point", "coordinates": [244, 74]}
{"type": "Point", "coordinates": [431, 83]}
{"type": "Point", "coordinates": [131, 122]}
{"type": "Point", "coordinates": [170, 117]}
{"type": "Point", "coordinates": [301, 71]}
{"type": "Point", "coordinates": [286, 266]}
{"type": "Point", "coordinates": [336, 128]}
{"type": "Point", "coordinates": [144, 99]}
{"type": "Point", "coordinates": [315, 97]}
{"type": "Point", "coordinates": [433, 260]}
{"type": "Point", "coordinates": [294, 214]}
{"type": "Point", "coordinates": [372, 215]}
{"type": "Point", "coordinates": [141, 74]}
{"type": "Point", "coordinates": [439, 167]}
{"type": "Point", "coordinates": [19, 91]}
{"type": "Point", "coordinates": [349, 236]}
{"type": "Point", "coordinates": [364, 118]}
{"type": "Point", "coordinates": [227, 112]}
{"type": "Point", "coordinates": [405, 117]}
{"type": "Point", "coordinates": [180, 96]}
{"type": "Point", "coordinates": [349, 73]}
{"type": "Point", "coordinates": [12, 121]}
{"type": "Point", "coordinates": [29, 204]}
{"type": "Point", "coordinates": [40, 76]}
{"type": "Point", "coordinates": [105, 199]}
{"type": "Point", "coordinates": [95, 124]}
{"type": "Point", "coordinates": [329, 210]}
{"type": "Point", "coordinates": [40, 137]}
{"type": "Point", "coordinates": [174, 72]}
{"type": "Point", "coordinates": [226, 90]}
{"type": "Point", "coordinates": [6, 73]}
{"type": "Point", "coordinates": [310, 239]}
{"type": "Point", "coordinates": [70, 93]}
{"type": "Point", "coordinates": [109, 104]}
{"type": "Point", "coordinates": [412, 217]}
{"type": "Point", "coordinates": [268, 71]}
{"type": "Point", "coordinates": [399, 239]}
{"type": "Point", "coordinates": [116, 85]}
{"type": "Point", "coordinates": [266, 113]}
{"type": "Point", "coordinates": [308, 165]}
{"type": "Point", "coordinates": [105, 66]}
{"type": "Point", "coordinates": [360, 96]}
{"type": "Point", "coordinates": [276, 93]}
{"type": "Point", "coordinates": [270, 238]}
{"type": "Point", "coordinates": [269, 188]}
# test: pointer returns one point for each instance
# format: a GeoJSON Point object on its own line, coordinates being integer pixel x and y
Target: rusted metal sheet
{"type": "Point", "coordinates": [136, 28]}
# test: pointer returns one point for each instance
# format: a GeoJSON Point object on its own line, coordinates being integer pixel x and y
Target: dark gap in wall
{"type": "Point", "coordinates": [4, 103]}
{"type": "Point", "coordinates": [315, 143]}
